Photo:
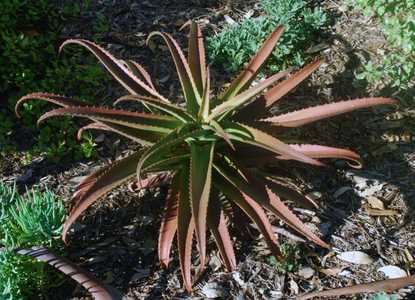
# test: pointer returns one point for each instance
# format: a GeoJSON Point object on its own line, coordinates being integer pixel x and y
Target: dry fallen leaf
{"type": "Point", "coordinates": [381, 212]}
{"type": "Point", "coordinates": [375, 202]}
{"type": "Point", "coordinates": [355, 257]}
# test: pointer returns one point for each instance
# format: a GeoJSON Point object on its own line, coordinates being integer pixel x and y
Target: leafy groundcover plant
{"type": "Point", "coordinates": [35, 219]}
{"type": "Point", "coordinates": [205, 148]}
{"type": "Point", "coordinates": [30, 227]}
{"type": "Point", "coordinates": [235, 44]}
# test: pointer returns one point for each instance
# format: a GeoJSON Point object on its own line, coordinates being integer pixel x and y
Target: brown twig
{"type": "Point", "coordinates": [388, 285]}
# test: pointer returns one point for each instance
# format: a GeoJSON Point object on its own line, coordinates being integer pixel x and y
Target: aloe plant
{"type": "Point", "coordinates": [204, 148]}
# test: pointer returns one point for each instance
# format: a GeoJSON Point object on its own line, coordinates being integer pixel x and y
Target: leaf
{"type": "Point", "coordinates": [98, 184]}
{"type": "Point", "coordinates": [392, 272]}
{"type": "Point", "coordinates": [171, 109]}
{"type": "Point", "coordinates": [381, 212]}
{"type": "Point", "coordinates": [185, 229]}
{"type": "Point", "coordinates": [92, 285]}
{"type": "Point", "coordinates": [291, 194]}
{"type": "Point", "coordinates": [155, 153]}
{"type": "Point", "coordinates": [138, 70]}
{"type": "Point", "coordinates": [375, 202]}
{"type": "Point", "coordinates": [244, 79]}
{"type": "Point", "coordinates": [221, 133]}
{"type": "Point", "coordinates": [268, 142]}
{"type": "Point", "coordinates": [250, 208]}
{"type": "Point", "coordinates": [127, 79]}
{"type": "Point", "coordinates": [355, 257]}
{"type": "Point", "coordinates": [52, 98]}
{"type": "Point", "coordinates": [388, 285]}
{"type": "Point", "coordinates": [239, 100]}
{"type": "Point", "coordinates": [143, 121]}
{"type": "Point", "coordinates": [256, 189]}
{"type": "Point", "coordinates": [319, 151]}
{"type": "Point", "coordinates": [312, 114]}
{"type": "Point", "coordinates": [168, 226]}
{"type": "Point", "coordinates": [204, 107]}
{"type": "Point", "coordinates": [197, 62]}
{"type": "Point", "coordinates": [193, 99]}
{"type": "Point", "coordinates": [280, 90]}
{"type": "Point", "coordinates": [201, 159]}
{"type": "Point", "coordinates": [277, 207]}
{"type": "Point", "coordinates": [217, 225]}
{"type": "Point", "coordinates": [142, 137]}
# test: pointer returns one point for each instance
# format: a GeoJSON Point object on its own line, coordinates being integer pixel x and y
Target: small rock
{"type": "Point", "coordinates": [306, 272]}
{"type": "Point", "coordinates": [345, 273]}
{"type": "Point", "coordinates": [212, 290]}
{"type": "Point", "coordinates": [392, 272]}
{"type": "Point", "coordinates": [355, 257]}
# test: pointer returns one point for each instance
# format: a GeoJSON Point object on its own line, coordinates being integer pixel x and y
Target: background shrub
{"type": "Point", "coordinates": [29, 40]}
{"type": "Point", "coordinates": [33, 220]}
{"type": "Point", "coordinates": [396, 66]}
{"type": "Point", "coordinates": [236, 44]}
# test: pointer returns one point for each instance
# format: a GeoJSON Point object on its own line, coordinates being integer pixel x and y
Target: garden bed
{"type": "Point", "coordinates": [369, 210]}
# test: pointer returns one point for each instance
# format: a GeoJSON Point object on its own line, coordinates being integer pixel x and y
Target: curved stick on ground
{"type": "Point", "coordinates": [388, 285]}
{"type": "Point", "coordinates": [96, 288]}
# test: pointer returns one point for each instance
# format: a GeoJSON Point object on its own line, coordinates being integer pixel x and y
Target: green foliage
{"type": "Point", "coordinates": [395, 68]}
{"type": "Point", "coordinates": [290, 262]}
{"type": "Point", "coordinates": [235, 44]}
{"type": "Point", "coordinates": [384, 296]}
{"type": "Point", "coordinates": [25, 221]}
{"type": "Point", "coordinates": [29, 39]}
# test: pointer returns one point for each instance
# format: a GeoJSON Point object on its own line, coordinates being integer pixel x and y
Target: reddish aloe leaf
{"type": "Point", "coordinates": [168, 224]}
{"type": "Point", "coordinates": [250, 208]}
{"type": "Point", "coordinates": [196, 56]}
{"type": "Point", "coordinates": [217, 225]}
{"type": "Point", "coordinates": [238, 101]}
{"type": "Point", "coordinates": [143, 121]}
{"type": "Point", "coordinates": [201, 158]}
{"type": "Point", "coordinates": [98, 184]}
{"type": "Point", "coordinates": [191, 94]}
{"type": "Point", "coordinates": [319, 151]}
{"type": "Point", "coordinates": [185, 229]}
{"type": "Point", "coordinates": [95, 126]}
{"type": "Point", "coordinates": [139, 71]}
{"type": "Point", "coordinates": [52, 98]}
{"type": "Point", "coordinates": [263, 140]}
{"type": "Point", "coordinates": [291, 194]}
{"type": "Point", "coordinates": [276, 206]}
{"type": "Point", "coordinates": [87, 280]}
{"type": "Point", "coordinates": [388, 285]}
{"type": "Point", "coordinates": [142, 137]}
{"type": "Point", "coordinates": [287, 85]}
{"type": "Point", "coordinates": [128, 80]}
{"type": "Point", "coordinates": [312, 114]}
{"type": "Point", "coordinates": [247, 76]}
{"type": "Point", "coordinates": [169, 108]}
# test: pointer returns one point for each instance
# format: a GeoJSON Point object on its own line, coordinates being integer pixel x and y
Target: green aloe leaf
{"type": "Point", "coordinates": [191, 94]}
{"type": "Point", "coordinates": [171, 109]}
{"type": "Point", "coordinates": [143, 121]}
{"type": "Point", "coordinates": [201, 159]}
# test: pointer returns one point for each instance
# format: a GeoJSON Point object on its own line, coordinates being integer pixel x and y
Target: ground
{"type": "Point", "coordinates": [117, 238]}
